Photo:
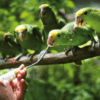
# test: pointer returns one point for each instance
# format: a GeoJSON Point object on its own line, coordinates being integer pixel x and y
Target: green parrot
{"type": "Point", "coordinates": [8, 47]}
{"type": "Point", "coordinates": [90, 16]}
{"type": "Point", "coordinates": [29, 37]}
{"type": "Point", "coordinates": [49, 20]}
{"type": "Point", "coordinates": [70, 35]}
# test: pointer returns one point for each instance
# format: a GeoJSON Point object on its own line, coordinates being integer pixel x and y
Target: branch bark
{"type": "Point", "coordinates": [55, 58]}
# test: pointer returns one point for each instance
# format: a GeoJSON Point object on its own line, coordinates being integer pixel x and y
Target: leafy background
{"type": "Point", "coordinates": [53, 82]}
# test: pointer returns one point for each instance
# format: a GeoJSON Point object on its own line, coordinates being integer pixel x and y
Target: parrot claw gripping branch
{"type": "Point", "coordinates": [12, 74]}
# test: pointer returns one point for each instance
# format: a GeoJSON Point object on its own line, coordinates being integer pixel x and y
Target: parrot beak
{"type": "Point", "coordinates": [51, 41]}
{"type": "Point", "coordinates": [43, 12]}
{"type": "Point", "coordinates": [21, 36]}
{"type": "Point", "coordinates": [4, 36]}
{"type": "Point", "coordinates": [79, 21]}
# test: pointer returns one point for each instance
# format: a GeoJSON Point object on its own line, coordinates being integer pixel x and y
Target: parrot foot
{"type": "Point", "coordinates": [12, 60]}
{"type": "Point", "coordinates": [71, 50]}
{"type": "Point", "coordinates": [19, 56]}
{"type": "Point", "coordinates": [6, 59]}
{"type": "Point", "coordinates": [97, 45]}
{"type": "Point", "coordinates": [93, 45]}
{"type": "Point", "coordinates": [15, 59]}
{"type": "Point", "coordinates": [68, 51]}
{"type": "Point", "coordinates": [31, 55]}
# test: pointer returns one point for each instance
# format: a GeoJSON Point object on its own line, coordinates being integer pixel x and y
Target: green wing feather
{"type": "Point", "coordinates": [74, 38]}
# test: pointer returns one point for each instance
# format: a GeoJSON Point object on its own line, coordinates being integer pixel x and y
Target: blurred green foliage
{"type": "Point", "coordinates": [13, 13]}
{"type": "Point", "coordinates": [65, 81]}
{"type": "Point", "coordinates": [51, 82]}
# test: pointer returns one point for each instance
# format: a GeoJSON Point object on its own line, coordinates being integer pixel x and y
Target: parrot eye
{"type": "Point", "coordinates": [25, 30]}
{"type": "Point", "coordinates": [59, 35]}
{"type": "Point", "coordinates": [49, 7]}
{"type": "Point", "coordinates": [85, 13]}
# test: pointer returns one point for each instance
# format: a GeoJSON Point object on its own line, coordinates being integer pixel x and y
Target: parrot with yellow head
{"type": "Point", "coordinates": [8, 47]}
{"type": "Point", "coordinates": [29, 37]}
{"type": "Point", "coordinates": [70, 35]}
{"type": "Point", "coordinates": [91, 16]}
{"type": "Point", "coordinates": [49, 20]}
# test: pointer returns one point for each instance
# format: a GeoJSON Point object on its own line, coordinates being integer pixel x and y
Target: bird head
{"type": "Point", "coordinates": [6, 35]}
{"type": "Point", "coordinates": [44, 10]}
{"type": "Point", "coordinates": [20, 32]}
{"type": "Point", "coordinates": [82, 16]}
{"type": "Point", "coordinates": [53, 35]}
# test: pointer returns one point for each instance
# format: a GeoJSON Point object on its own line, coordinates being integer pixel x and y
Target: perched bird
{"type": "Point", "coordinates": [49, 20]}
{"type": "Point", "coordinates": [29, 37]}
{"type": "Point", "coordinates": [91, 16]}
{"type": "Point", "coordinates": [8, 47]}
{"type": "Point", "coordinates": [70, 35]}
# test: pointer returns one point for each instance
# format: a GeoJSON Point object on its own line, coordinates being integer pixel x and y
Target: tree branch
{"type": "Point", "coordinates": [55, 58]}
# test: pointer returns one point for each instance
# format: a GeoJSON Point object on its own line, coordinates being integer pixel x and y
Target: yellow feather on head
{"type": "Point", "coordinates": [79, 12]}
{"type": "Point", "coordinates": [20, 28]}
{"type": "Point", "coordinates": [44, 5]}
{"type": "Point", "coordinates": [53, 33]}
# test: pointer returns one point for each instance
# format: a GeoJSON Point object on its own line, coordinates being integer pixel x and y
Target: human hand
{"type": "Point", "coordinates": [19, 85]}
{"type": "Point", "coordinates": [16, 89]}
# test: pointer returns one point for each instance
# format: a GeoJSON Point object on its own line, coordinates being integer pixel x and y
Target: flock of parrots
{"type": "Point", "coordinates": [55, 33]}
